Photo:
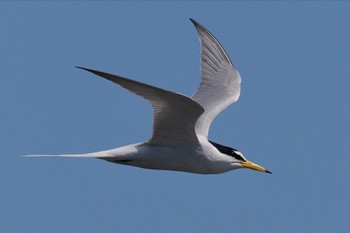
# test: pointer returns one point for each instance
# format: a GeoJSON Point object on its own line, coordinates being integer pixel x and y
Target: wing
{"type": "Point", "coordinates": [220, 81]}
{"type": "Point", "coordinates": [174, 115]}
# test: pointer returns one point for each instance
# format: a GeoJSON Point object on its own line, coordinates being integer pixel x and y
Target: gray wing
{"type": "Point", "coordinates": [174, 115]}
{"type": "Point", "coordinates": [220, 81]}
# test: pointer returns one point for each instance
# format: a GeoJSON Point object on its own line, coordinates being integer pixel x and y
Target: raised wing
{"type": "Point", "coordinates": [220, 81]}
{"type": "Point", "coordinates": [174, 115]}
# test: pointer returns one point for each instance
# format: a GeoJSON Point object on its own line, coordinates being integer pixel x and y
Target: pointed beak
{"type": "Point", "coordinates": [248, 164]}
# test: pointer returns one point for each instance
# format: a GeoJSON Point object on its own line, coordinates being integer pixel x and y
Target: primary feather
{"type": "Point", "coordinates": [220, 82]}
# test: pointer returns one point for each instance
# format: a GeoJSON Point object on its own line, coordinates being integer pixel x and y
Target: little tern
{"type": "Point", "coordinates": [179, 140]}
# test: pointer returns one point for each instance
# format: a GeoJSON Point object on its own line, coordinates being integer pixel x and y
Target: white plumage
{"type": "Point", "coordinates": [181, 124]}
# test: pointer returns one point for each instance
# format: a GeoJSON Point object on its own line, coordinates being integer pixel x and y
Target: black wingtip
{"type": "Point", "coordinates": [89, 70]}
{"type": "Point", "coordinates": [267, 171]}
{"type": "Point", "coordinates": [82, 68]}
{"type": "Point", "coordinates": [195, 23]}
{"type": "Point", "coordinates": [96, 72]}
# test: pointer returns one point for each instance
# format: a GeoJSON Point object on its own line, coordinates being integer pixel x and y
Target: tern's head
{"type": "Point", "coordinates": [237, 158]}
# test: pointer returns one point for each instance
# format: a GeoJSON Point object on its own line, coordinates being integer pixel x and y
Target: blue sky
{"type": "Point", "coordinates": [292, 116]}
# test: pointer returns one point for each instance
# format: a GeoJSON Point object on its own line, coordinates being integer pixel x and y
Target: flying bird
{"type": "Point", "coordinates": [181, 124]}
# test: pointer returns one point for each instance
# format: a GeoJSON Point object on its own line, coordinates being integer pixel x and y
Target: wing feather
{"type": "Point", "coordinates": [220, 81]}
{"type": "Point", "coordinates": [174, 115]}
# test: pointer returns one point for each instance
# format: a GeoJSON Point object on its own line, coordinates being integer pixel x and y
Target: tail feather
{"type": "Point", "coordinates": [88, 155]}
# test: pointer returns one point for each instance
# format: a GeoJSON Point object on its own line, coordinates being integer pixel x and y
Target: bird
{"type": "Point", "coordinates": [179, 140]}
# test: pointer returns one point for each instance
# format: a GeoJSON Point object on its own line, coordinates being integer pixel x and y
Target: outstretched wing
{"type": "Point", "coordinates": [174, 115]}
{"type": "Point", "coordinates": [220, 81]}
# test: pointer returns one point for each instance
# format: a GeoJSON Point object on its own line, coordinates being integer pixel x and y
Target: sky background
{"type": "Point", "coordinates": [292, 116]}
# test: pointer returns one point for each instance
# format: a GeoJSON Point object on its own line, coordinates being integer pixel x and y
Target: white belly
{"type": "Point", "coordinates": [191, 158]}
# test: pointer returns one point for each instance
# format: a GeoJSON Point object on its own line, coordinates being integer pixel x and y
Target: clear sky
{"type": "Point", "coordinates": [292, 116]}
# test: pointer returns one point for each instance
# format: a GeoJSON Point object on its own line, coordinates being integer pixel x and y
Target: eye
{"type": "Point", "coordinates": [229, 151]}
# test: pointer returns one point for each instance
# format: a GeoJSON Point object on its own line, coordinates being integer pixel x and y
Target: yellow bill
{"type": "Point", "coordinates": [248, 164]}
